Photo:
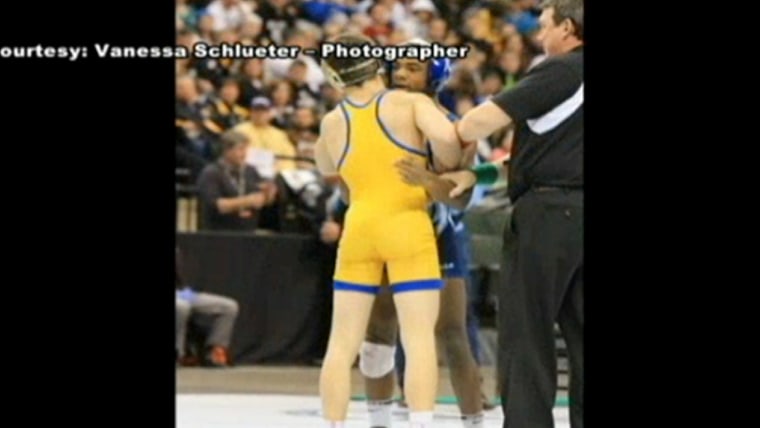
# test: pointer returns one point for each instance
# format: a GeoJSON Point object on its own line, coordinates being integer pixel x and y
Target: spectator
{"type": "Point", "coordinates": [195, 130]}
{"type": "Point", "coordinates": [222, 311]}
{"type": "Point", "coordinates": [206, 28]}
{"type": "Point", "coordinates": [265, 141]}
{"type": "Point", "coordinates": [398, 12]}
{"type": "Point", "coordinates": [252, 81]}
{"type": "Point", "coordinates": [305, 119]}
{"type": "Point", "coordinates": [231, 192]}
{"type": "Point", "coordinates": [277, 68]}
{"type": "Point", "coordinates": [438, 31]}
{"type": "Point", "coordinates": [252, 30]}
{"type": "Point", "coordinates": [523, 16]}
{"type": "Point", "coordinates": [185, 38]}
{"type": "Point", "coordinates": [304, 95]}
{"type": "Point", "coordinates": [283, 103]}
{"type": "Point", "coordinates": [423, 13]}
{"type": "Point", "coordinates": [187, 17]}
{"type": "Point", "coordinates": [228, 14]}
{"type": "Point", "coordinates": [216, 70]}
{"type": "Point", "coordinates": [330, 97]}
{"type": "Point", "coordinates": [226, 113]}
{"type": "Point", "coordinates": [493, 82]}
{"type": "Point", "coordinates": [380, 27]}
{"type": "Point", "coordinates": [510, 62]}
{"type": "Point", "coordinates": [321, 11]}
{"type": "Point", "coordinates": [279, 16]}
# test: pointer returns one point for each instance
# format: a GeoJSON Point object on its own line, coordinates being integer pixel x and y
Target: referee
{"type": "Point", "coordinates": [544, 240]}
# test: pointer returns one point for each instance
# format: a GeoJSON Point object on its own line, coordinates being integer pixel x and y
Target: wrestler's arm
{"type": "Point", "coordinates": [487, 174]}
{"type": "Point", "coordinates": [329, 132]}
{"type": "Point", "coordinates": [437, 187]}
{"type": "Point", "coordinates": [326, 165]}
{"type": "Point", "coordinates": [440, 189]}
{"type": "Point", "coordinates": [438, 129]}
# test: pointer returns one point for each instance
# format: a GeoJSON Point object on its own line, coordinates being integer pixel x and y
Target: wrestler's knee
{"type": "Point", "coordinates": [376, 360]}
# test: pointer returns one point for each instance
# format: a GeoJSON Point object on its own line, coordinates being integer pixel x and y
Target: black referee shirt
{"type": "Point", "coordinates": [547, 108]}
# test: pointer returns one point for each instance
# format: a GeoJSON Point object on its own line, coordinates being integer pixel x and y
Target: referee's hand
{"type": "Point", "coordinates": [329, 232]}
{"type": "Point", "coordinates": [463, 180]}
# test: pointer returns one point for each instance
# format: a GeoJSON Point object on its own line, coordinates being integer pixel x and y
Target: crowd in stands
{"type": "Point", "coordinates": [278, 103]}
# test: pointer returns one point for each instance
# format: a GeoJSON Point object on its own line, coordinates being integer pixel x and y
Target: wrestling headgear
{"type": "Point", "coordinates": [342, 72]}
{"type": "Point", "coordinates": [439, 70]}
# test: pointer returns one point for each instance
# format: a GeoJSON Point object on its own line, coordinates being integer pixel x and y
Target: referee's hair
{"type": "Point", "coordinates": [567, 9]}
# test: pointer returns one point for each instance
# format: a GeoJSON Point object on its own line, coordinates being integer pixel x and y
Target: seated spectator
{"type": "Point", "coordinates": [196, 133]}
{"type": "Point", "coordinates": [523, 16]}
{"type": "Point", "coordinates": [205, 27]}
{"type": "Point", "coordinates": [438, 30]}
{"type": "Point", "coordinates": [251, 31]}
{"type": "Point", "coordinates": [511, 63]}
{"type": "Point", "coordinates": [304, 119]}
{"type": "Point", "coordinates": [282, 97]}
{"type": "Point", "coordinates": [397, 10]}
{"type": "Point", "coordinates": [225, 111]}
{"type": "Point", "coordinates": [229, 14]}
{"type": "Point", "coordinates": [252, 81]}
{"type": "Point", "coordinates": [187, 17]}
{"type": "Point", "coordinates": [232, 193]}
{"type": "Point", "coordinates": [330, 97]}
{"type": "Point", "coordinates": [265, 141]}
{"type": "Point", "coordinates": [380, 28]}
{"type": "Point", "coordinates": [304, 95]}
{"type": "Point", "coordinates": [214, 71]}
{"type": "Point", "coordinates": [221, 310]}
{"type": "Point", "coordinates": [320, 11]}
{"type": "Point", "coordinates": [423, 13]}
{"type": "Point", "coordinates": [278, 16]}
{"type": "Point", "coordinates": [493, 82]}
{"type": "Point", "coordinates": [277, 68]}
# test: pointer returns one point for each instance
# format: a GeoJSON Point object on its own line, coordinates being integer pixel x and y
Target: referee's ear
{"type": "Point", "coordinates": [569, 27]}
{"type": "Point", "coordinates": [572, 28]}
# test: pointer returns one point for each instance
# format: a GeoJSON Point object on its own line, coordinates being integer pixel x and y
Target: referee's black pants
{"type": "Point", "coordinates": [543, 245]}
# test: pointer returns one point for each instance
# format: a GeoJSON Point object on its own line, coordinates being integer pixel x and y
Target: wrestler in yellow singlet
{"type": "Point", "coordinates": [387, 224]}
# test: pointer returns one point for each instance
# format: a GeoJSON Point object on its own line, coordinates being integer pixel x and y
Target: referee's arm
{"type": "Point", "coordinates": [482, 121]}
{"type": "Point", "coordinates": [542, 89]}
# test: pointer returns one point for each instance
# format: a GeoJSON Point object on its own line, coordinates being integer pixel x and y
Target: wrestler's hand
{"type": "Point", "coordinates": [413, 173]}
{"type": "Point", "coordinates": [462, 180]}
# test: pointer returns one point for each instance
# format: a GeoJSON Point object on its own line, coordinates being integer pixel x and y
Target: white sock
{"type": "Point", "coordinates": [472, 421]}
{"type": "Point", "coordinates": [420, 419]}
{"type": "Point", "coordinates": [380, 413]}
{"type": "Point", "coordinates": [332, 424]}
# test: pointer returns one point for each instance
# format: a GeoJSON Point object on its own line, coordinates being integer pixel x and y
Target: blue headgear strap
{"type": "Point", "coordinates": [439, 69]}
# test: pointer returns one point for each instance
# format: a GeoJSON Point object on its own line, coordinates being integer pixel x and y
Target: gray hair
{"type": "Point", "coordinates": [231, 139]}
{"type": "Point", "coordinates": [567, 9]}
